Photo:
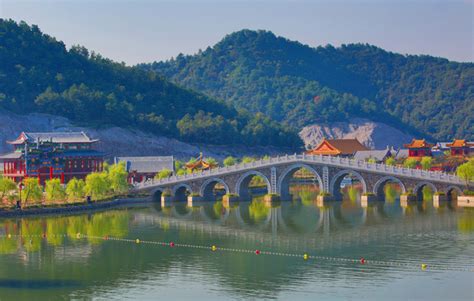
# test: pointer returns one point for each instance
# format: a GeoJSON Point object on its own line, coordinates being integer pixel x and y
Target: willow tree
{"type": "Point", "coordinates": [97, 185]}
{"type": "Point", "coordinates": [75, 189]}
{"type": "Point", "coordinates": [54, 190]}
{"type": "Point", "coordinates": [6, 186]}
{"type": "Point", "coordinates": [32, 190]}
{"type": "Point", "coordinates": [117, 176]}
{"type": "Point", "coordinates": [466, 171]}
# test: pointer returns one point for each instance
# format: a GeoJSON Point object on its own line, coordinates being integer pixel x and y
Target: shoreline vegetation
{"type": "Point", "coordinates": [110, 187]}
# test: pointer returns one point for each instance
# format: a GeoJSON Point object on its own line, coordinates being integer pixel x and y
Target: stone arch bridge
{"type": "Point", "coordinates": [278, 171]}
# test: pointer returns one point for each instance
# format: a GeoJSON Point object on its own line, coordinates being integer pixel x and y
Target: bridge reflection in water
{"type": "Point", "coordinates": [417, 232]}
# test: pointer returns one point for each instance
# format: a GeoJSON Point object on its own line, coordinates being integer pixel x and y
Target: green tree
{"type": "Point", "coordinates": [426, 162]}
{"type": "Point", "coordinates": [390, 161]}
{"type": "Point", "coordinates": [247, 159]}
{"type": "Point", "coordinates": [97, 185]}
{"type": "Point", "coordinates": [181, 172]}
{"type": "Point", "coordinates": [32, 190]}
{"type": "Point", "coordinates": [75, 189]}
{"type": "Point", "coordinates": [163, 174]}
{"type": "Point", "coordinates": [6, 186]}
{"type": "Point", "coordinates": [372, 160]}
{"type": "Point", "coordinates": [54, 190]}
{"type": "Point", "coordinates": [118, 176]}
{"type": "Point", "coordinates": [410, 163]}
{"type": "Point", "coordinates": [212, 161]}
{"type": "Point", "coordinates": [229, 161]}
{"type": "Point", "coordinates": [466, 171]}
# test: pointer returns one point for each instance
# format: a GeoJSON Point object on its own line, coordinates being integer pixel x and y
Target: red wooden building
{"type": "Point", "coordinates": [338, 147]}
{"type": "Point", "coordinates": [419, 148]}
{"type": "Point", "coordinates": [460, 147]}
{"type": "Point", "coordinates": [63, 155]}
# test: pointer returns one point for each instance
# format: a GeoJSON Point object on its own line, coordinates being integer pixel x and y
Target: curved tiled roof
{"type": "Point", "coordinates": [147, 164]}
{"type": "Point", "coordinates": [55, 137]}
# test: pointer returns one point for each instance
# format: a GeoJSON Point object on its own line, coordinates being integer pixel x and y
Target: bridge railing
{"type": "Point", "coordinates": [330, 160]}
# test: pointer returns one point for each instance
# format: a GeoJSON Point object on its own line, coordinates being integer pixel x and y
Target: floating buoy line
{"type": "Point", "coordinates": [305, 256]}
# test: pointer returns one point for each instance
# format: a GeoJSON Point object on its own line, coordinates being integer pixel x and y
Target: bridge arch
{"type": "Point", "coordinates": [208, 186]}
{"type": "Point", "coordinates": [283, 187]}
{"type": "Point", "coordinates": [380, 184]}
{"type": "Point", "coordinates": [181, 191]}
{"type": "Point", "coordinates": [156, 194]}
{"type": "Point", "coordinates": [418, 190]}
{"type": "Point", "coordinates": [242, 185]}
{"type": "Point", "coordinates": [335, 184]}
{"type": "Point", "coordinates": [449, 192]}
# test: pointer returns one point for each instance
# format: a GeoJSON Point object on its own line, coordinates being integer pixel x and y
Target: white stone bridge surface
{"type": "Point", "coordinates": [278, 171]}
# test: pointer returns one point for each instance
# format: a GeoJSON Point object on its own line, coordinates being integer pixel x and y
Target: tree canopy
{"type": "Point", "coordinates": [300, 85]}
{"type": "Point", "coordinates": [38, 74]}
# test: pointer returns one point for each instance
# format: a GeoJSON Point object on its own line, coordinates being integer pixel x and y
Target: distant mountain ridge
{"type": "Point", "coordinates": [39, 75]}
{"type": "Point", "coordinates": [300, 86]}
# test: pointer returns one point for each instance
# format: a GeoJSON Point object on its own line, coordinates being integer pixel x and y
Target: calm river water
{"type": "Point", "coordinates": [50, 262]}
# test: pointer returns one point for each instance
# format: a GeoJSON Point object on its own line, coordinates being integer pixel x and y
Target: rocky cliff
{"type": "Point", "coordinates": [375, 135]}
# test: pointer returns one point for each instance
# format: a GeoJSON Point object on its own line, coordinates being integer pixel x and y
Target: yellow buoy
{"type": "Point", "coordinates": [9, 235]}
{"type": "Point", "coordinates": [78, 235]}
{"type": "Point", "coordinates": [137, 241]}
{"type": "Point", "coordinates": [423, 266]}
{"type": "Point", "coordinates": [305, 256]}
{"type": "Point", "coordinates": [213, 248]}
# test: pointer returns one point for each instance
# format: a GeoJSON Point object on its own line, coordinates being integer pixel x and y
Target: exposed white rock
{"type": "Point", "coordinates": [116, 141]}
{"type": "Point", "coordinates": [375, 135]}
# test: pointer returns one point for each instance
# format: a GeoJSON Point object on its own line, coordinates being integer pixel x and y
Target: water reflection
{"type": "Point", "coordinates": [91, 267]}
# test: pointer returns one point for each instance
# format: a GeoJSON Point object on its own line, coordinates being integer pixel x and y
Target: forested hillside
{"type": "Point", "coordinates": [38, 74]}
{"type": "Point", "coordinates": [300, 85]}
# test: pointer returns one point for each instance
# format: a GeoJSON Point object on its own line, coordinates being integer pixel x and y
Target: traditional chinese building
{"type": "Point", "coordinates": [338, 147]}
{"type": "Point", "coordinates": [460, 147]}
{"type": "Point", "coordinates": [419, 148]}
{"type": "Point", "coordinates": [63, 155]}
{"type": "Point", "coordinates": [143, 168]}
{"type": "Point", "coordinates": [200, 164]}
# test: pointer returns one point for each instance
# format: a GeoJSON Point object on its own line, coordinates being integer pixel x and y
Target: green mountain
{"type": "Point", "coordinates": [300, 85]}
{"type": "Point", "coordinates": [38, 74]}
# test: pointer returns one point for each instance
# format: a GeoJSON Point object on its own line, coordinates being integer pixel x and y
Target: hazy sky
{"type": "Point", "coordinates": [144, 31]}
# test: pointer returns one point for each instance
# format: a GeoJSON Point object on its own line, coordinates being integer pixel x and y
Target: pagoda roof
{"type": "Point", "coordinates": [147, 164]}
{"type": "Point", "coordinates": [460, 143]}
{"type": "Point", "coordinates": [55, 137]}
{"type": "Point", "coordinates": [12, 155]}
{"type": "Point", "coordinates": [338, 147]}
{"type": "Point", "coordinates": [418, 143]}
{"type": "Point", "coordinates": [376, 154]}
{"type": "Point", "coordinates": [200, 164]}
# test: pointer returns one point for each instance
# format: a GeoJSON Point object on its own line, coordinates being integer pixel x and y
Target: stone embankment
{"type": "Point", "coordinates": [67, 209]}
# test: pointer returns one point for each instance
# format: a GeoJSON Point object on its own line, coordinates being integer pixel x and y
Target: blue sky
{"type": "Point", "coordinates": [144, 31]}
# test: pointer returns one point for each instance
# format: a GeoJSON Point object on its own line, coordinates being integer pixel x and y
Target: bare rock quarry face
{"type": "Point", "coordinates": [374, 135]}
{"type": "Point", "coordinates": [116, 141]}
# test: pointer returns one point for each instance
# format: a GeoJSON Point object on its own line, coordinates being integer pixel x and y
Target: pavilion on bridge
{"type": "Point", "coordinates": [200, 164]}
